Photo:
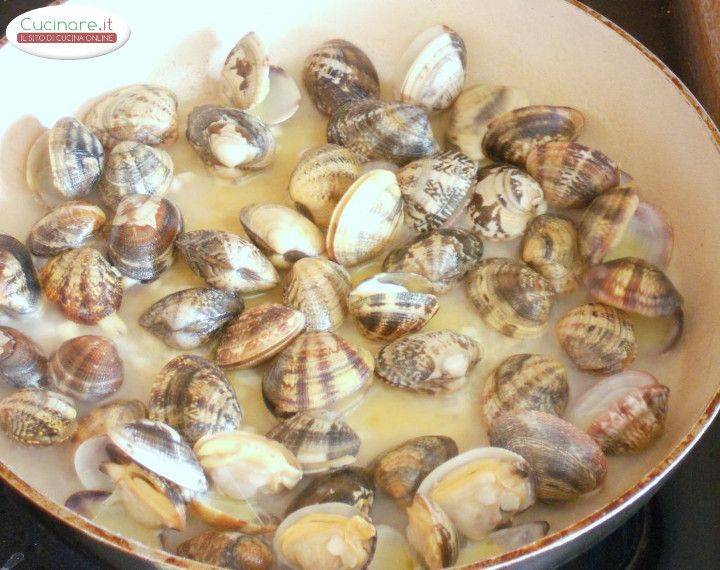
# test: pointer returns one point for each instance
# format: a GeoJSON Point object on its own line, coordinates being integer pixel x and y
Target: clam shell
{"type": "Point", "coordinates": [86, 501]}
{"type": "Point", "coordinates": [650, 227]}
{"type": "Point", "coordinates": [227, 549]}
{"type": "Point", "coordinates": [88, 458]}
{"type": "Point", "coordinates": [19, 286]}
{"type": "Point", "coordinates": [431, 534]}
{"type": "Point", "coordinates": [282, 100]}
{"type": "Point", "coordinates": [245, 77]}
{"type": "Point", "coordinates": [230, 514]}
{"type": "Point", "coordinates": [365, 219]}
{"type": "Point", "coordinates": [22, 362]}
{"type": "Point", "coordinates": [350, 485]}
{"type": "Point", "coordinates": [338, 72]}
{"type": "Point", "coordinates": [514, 537]}
{"type": "Point", "coordinates": [99, 420]}
{"type": "Point", "coordinates": [70, 225]}
{"type": "Point", "coordinates": [32, 416]}
{"type": "Point", "coordinates": [430, 362]}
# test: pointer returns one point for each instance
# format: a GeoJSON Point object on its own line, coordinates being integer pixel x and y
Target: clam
{"type": "Point", "coordinates": [435, 189]}
{"type": "Point", "coordinates": [141, 112]}
{"type": "Point", "coordinates": [227, 261]}
{"type": "Point", "coordinates": [375, 130]}
{"type": "Point", "coordinates": [443, 256]}
{"type": "Point", "coordinates": [622, 413]}
{"type": "Point", "coordinates": [511, 298]}
{"type": "Point", "coordinates": [192, 395]}
{"type": "Point", "coordinates": [400, 470]}
{"type": "Point", "coordinates": [365, 219]}
{"type": "Point", "coordinates": [350, 485]}
{"type": "Point", "coordinates": [22, 362]}
{"type": "Point", "coordinates": [68, 226]}
{"type": "Point", "coordinates": [511, 538]}
{"type": "Point", "coordinates": [258, 334]}
{"type": "Point", "coordinates": [318, 370]}
{"type": "Point", "coordinates": [474, 109]}
{"type": "Point", "coordinates": [649, 234]}
{"type": "Point", "coordinates": [571, 174]}
{"type": "Point", "coordinates": [226, 549]}
{"type": "Point", "coordinates": [222, 512]}
{"type": "Point", "coordinates": [430, 362]}
{"type": "Point", "coordinates": [88, 458]}
{"type": "Point", "coordinates": [283, 98]}
{"type": "Point", "coordinates": [431, 534]}
{"type": "Point", "coordinates": [142, 236]}
{"type": "Point", "coordinates": [565, 461]}
{"type": "Point", "coordinates": [189, 318]}
{"type": "Point", "coordinates": [87, 368]}
{"type": "Point", "coordinates": [32, 416]}
{"type": "Point", "coordinates": [19, 287]}
{"type": "Point", "coordinates": [328, 535]}
{"type": "Point", "coordinates": [550, 247]}
{"type": "Point", "coordinates": [99, 420]}
{"type": "Point", "coordinates": [511, 136]}
{"type": "Point", "coordinates": [245, 77]}
{"type": "Point", "coordinates": [65, 162]}
{"type": "Point", "coordinates": [320, 179]}
{"type": "Point", "coordinates": [281, 233]}
{"type": "Point", "coordinates": [481, 490]}
{"type": "Point", "coordinates": [134, 168]}
{"type": "Point", "coordinates": [504, 201]}
{"type": "Point", "coordinates": [597, 338]}
{"type": "Point", "coordinates": [390, 305]}
{"type": "Point", "coordinates": [321, 442]}
{"type": "Point", "coordinates": [230, 142]}
{"type": "Point", "coordinates": [86, 502]}
{"type": "Point", "coordinates": [319, 289]}
{"type": "Point", "coordinates": [525, 382]}
{"type": "Point", "coordinates": [434, 68]}
{"type": "Point", "coordinates": [242, 464]}
{"type": "Point", "coordinates": [338, 72]}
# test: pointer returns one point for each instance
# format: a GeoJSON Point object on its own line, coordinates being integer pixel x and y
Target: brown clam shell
{"type": "Point", "coordinates": [19, 286]}
{"type": "Point", "coordinates": [431, 533]}
{"type": "Point", "coordinates": [70, 225]}
{"type": "Point", "coordinates": [32, 416]}
{"type": "Point", "coordinates": [227, 549]}
{"type": "Point", "coordinates": [350, 485]}
{"type": "Point", "coordinates": [22, 362]}
{"type": "Point", "coordinates": [99, 420]}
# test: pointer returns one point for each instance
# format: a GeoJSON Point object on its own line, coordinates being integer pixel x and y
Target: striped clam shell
{"type": "Point", "coordinates": [99, 420]}
{"type": "Point", "coordinates": [227, 549]}
{"type": "Point", "coordinates": [245, 77]}
{"type": "Point", "coordinates": [68, 226]}
{"type": "Point", "coordinates": [33, 416]}
{"type": "Point", "coordinates": [22, 362]}
{"type": "Point", "coordinates": [431, 533]}
{"type": "Point", "coordinates": [350, 485]}
{"type": "Point", "coordinates": [19, 286]}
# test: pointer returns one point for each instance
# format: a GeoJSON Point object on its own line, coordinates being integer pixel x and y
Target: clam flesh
{"type": "Point", "coordinates": [68, 226]}
{"type": "Point", "coordinates": [226, 549]}
{"type": "Point", "coordinates": [431, 533]}
{"type": "Point", "coordinates": [350, 485]}
{"type": "Point", "coordinates": [22, 362]}
{"type": "Point", "coordinates": [33, 416]}
{"type": "Point", "coordinates": [19, 286]}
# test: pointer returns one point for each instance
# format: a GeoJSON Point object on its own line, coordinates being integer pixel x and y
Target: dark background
{"type": "Point", "coordinates": [683, 520]}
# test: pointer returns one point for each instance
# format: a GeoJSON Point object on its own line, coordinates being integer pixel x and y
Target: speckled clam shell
{"type": "Point", "coordinates": [566, 462]}
{"type": "Point", "coordinates": [22, 361]}
{"type": "Point", "coordinates": [473, 110]}
{"type": "Point", "coordinates": [597, 338]}
{"type": "Point", "coordinates": [227, 261]}
{"type": "Point", "coordinates": [192, 395]}
{"type": "Point", "coordinates": [375, 130]}
{"type": "Point", "coordinates": [550, 247]}
{"type": "Point", "coordinates": [511, 297]}
{"type": "Point", "coordinates": [350, 485]}
{"type": "Point", "coordinates": [429, 362]}
{"type": "Point", "coordinates": [525, 382]}
{"type": "Point", "coordinates": [431, 534]}
{"type": "Point", "coordinates": [134, 168]}
{"type": "Point", "coordinates": [511, 136]}
{"type": "Point", "coordinates": [318, 370]}
{"type": "Point", "coordinates": [33, 416]}
{"type": "Point", "coordinates": [571, 174]}
{"type": "Point", "coordinates": [503, 202]}
{"type": "Point", "coordinates": [435, 189]}
{"type": "Point", "coordinates": [19, 286]}
{"type": "Point", "coordinates": [100, 419]}
{"type": "Point", "coordinates": [245, 76]}
{"type": "Point", "coordinates": [228, 549]}
{"type": "Point", "coordinates": [320, 179]}
{"type": "Point", "coordinates": [68, 226]}
{"type": "Point", "coordinates": [338, 72]}
{"type": "Point", "coordinates": [142, 113]}
{"type": "Point", "coordinates": [444, 257]}
{"type": "Point", "coordinates": [83, 285]}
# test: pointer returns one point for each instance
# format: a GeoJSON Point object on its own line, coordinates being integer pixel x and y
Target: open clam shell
{"type": "Point", "coordinates": [245, 77]}
{"type": "Point", "coordinates": [224, 513]}
{"type": "Point", "coordinates": [431, 533]}
{"type": "Point", "coordinates": [100, 419]}
{"type": "Point", "coordinates": [227, 549]}
{"type": "Point", "coordinates": [70, 225]}
{"type": "Point", "coordinates": [283, 98]}
{"type": "Point", "coordinates": [350, 485]}
{"type": "Point", "coordinates": [22, 362]}
{"type": "Point", "coordinates": [88, 456]}
{"type": "Point", "coordinates": [19, 286]}
{"type": "Point", "coordinates": [33, 416]}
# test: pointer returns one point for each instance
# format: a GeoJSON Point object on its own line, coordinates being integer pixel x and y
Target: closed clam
{"type": "Point", "coordinates": [431, 533]}
{"type": "Point", "coordinates": [350, 485]}
{"type": "Point", "coordinates": [510, 137]}
{"type": "Point", "coordinates": [245, 77]}
{"type": "Point", "coordinates": [565, 461]}
{"type": "Point", "coordinates": [550, 247]}
{"type": "Point", "coordinates": [226, 549]}
{"type": "Point", "coordinates": [504, 201]}
{"type": "Point", "coordinates": [321, 441]}
{"type": "Point", "coordinates": [142, 236]}
{"type": "Point", "coordinates": [473, 110]}
{"type": "Point", "coordinates": [443, 256]}
{"type": "Point", "coordinates": [227, 261]}
{"type": "Point", "coordinates": [99, 420]}
{"type": "Point", "coordinates": [390, 305]}
{"type": "Point", "coordinates": [134, 168]}
{"type": "Point", "coordinates": [430, 362]}
{"type": "Point", "coordinates": [435, 189]}
{"type": "Point", "coordinates": [400, 470]}
{"type": "Point", "coordinates": [318, 370]}
{"type": "Point", "coordinates": [189, 318]}
{"type": "Point", "coordinates": [571, 174]}
{"type": "Point", "coordinates": [88, 368]}
{"type": "Point", "coordinates": [283, 234]}
{"type": "Point", "coordinates": [338, 72]}
{"type": "Point", "coordinates": [375, 130]}
{"type": "Point", "coordinates": [525, 382]}
{"type": "Point", "coordinates": [623, 413]}
{"type": "Point", "coordinates": [365, 219]}
{"type": "Point", "coordinates": [141, 112]}
{"type": "Point", "coordinates": [69, 225]}
{"type": "Point", "coordinates": [32, 416]}
{"type": "Point", "coordinates": [597, 338]}
{"type": "Point", "coordinates": [22, 362]}
{"type": "Point", "coordinates": [19, 286]}
{"type": "Point", "coordinates": [318, 288]}
{"type": "Point", "coordinates": [192, 395]}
